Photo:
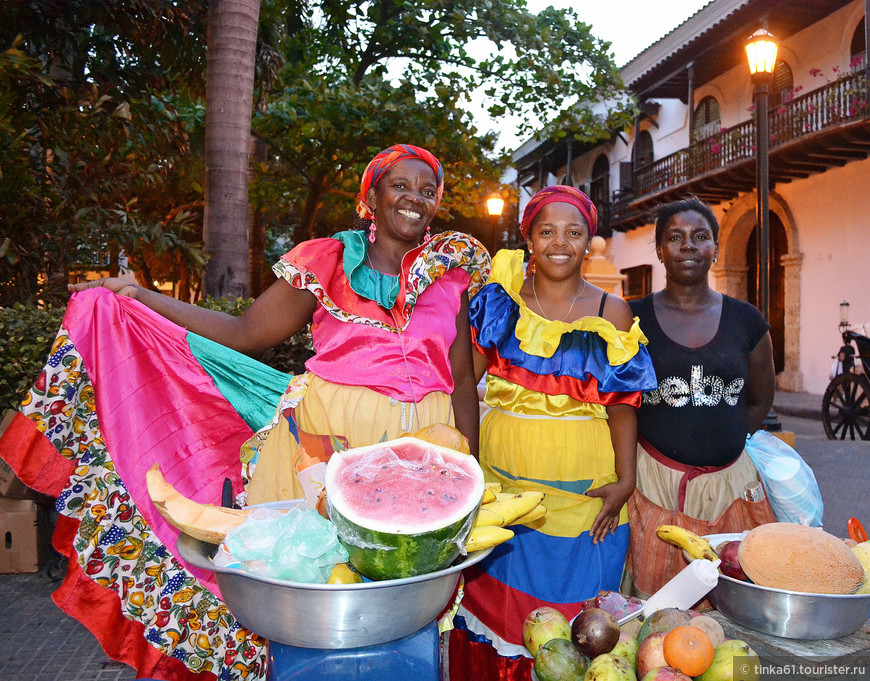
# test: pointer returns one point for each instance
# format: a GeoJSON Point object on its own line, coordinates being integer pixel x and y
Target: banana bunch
{"type": "Point", "coordinates": [500, 509]}
{"type": "Point", "coordinates": [696, 547]}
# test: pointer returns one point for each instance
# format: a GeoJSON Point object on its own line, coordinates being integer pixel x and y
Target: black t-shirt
{"type": "Point", "coordinates": [697, 415]}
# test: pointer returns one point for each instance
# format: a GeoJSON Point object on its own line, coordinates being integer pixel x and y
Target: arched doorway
{"type": "Point", "coordinates": [778, 248]}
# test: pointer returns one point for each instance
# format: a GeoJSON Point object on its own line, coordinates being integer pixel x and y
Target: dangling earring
{"type": "Point", "coordinates": [372, 229]}
{"type": "Point", "coordinates": [530, 268]}
{"type": "Point", "coordinates": [428, 234]}
{"type": "Point", "coordinates": [716, 259]}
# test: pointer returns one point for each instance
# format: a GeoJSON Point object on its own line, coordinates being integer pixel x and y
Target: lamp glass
{"type": "Point", "coordinates": [761, 51]}
{"type": "Point", "coordinates": [495, 205]}
{"type": "Point", "coordinates": [844, 313]}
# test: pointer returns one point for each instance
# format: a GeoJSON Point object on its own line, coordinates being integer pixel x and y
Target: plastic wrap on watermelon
{"type": "Point", "coordinates": [298, 545]}
{"type": "Point", "coordinates": [403, 508]}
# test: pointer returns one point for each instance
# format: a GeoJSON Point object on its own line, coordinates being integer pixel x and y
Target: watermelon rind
{"type": "Point", "coordinates": [391, 549]}
{"type": "Point", "coordinates": [381, 555]}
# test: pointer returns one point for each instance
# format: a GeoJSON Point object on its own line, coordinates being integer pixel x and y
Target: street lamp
{"type": "Point", "coordinates": [844, 316]}
{"type": "Point", "coordinates": [761, 51]}
{"type": "Point", "coordinates": [494, 206]}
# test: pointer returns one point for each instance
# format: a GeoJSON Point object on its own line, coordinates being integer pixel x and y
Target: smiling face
{"type": "Point", "coordinates": [558, 239]}
{"type": "Point", "coordinates": [404, 200]}
{"type": "Point", "coordinates": [687, 247]}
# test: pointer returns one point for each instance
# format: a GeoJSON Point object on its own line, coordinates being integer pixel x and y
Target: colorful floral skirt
{"type": "Point", "coordinates": [125, 389]}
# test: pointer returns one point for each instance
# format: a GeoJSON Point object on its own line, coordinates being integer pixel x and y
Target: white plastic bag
{"type": "Point", "coordinates": [791, 486]}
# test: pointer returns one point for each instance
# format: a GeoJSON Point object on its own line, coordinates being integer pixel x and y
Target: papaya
{"type": "Point", "coordinates": [799, 558]}
{"type": "Point", "coordinates": [443, 435]}
{"type": "Point", "coordinates": [205, 522]}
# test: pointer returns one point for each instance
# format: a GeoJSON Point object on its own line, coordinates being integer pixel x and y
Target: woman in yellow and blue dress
{"type": "Point", "coordinates": [566, 364]}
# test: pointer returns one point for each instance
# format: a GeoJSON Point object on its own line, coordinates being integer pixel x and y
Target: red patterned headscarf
{"type": "Point", "coordinates": [385, 160]}
{"type": "Point", "coordinates": [564, 194]}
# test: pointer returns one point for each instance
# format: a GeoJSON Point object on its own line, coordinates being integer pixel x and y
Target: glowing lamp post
{"type": "Point", "coordinates": [761, 51]}
{"type": "Point", "coordinates": [494, 206]}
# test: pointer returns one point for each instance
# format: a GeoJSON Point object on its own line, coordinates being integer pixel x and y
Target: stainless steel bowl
{"type": "Point", "coordinates": [788, 614]}
{"type": "Point", "coordinates": [330, 615]}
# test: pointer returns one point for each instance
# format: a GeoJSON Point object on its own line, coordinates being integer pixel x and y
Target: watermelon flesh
{"type": "Point", "coordinates": [403, 508]}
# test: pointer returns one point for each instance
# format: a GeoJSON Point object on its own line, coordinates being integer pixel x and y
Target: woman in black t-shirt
{"type": "Point", "coordinates": [714, 364]}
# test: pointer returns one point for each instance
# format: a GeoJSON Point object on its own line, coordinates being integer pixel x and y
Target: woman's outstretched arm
{"type": "Point", "coordinates": [277, 314]}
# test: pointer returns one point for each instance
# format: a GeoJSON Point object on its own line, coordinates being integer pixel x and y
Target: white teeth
{"type": "Point", "coordinates": [410, 214]}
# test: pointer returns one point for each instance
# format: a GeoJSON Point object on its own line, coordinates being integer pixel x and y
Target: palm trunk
{"type": "Point", "coordinates": [232, 43]}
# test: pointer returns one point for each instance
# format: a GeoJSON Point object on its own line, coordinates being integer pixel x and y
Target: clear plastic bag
{"type": "Point", "coordinates": [790, 483]}
{"type": "Point", "coordinates": [299, 545]}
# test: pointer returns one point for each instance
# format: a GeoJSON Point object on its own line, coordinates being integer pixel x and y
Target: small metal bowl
{"type": "Point", "coordinates": [330, 615]}
{"type": "Point", "coordinates": [788, 614]}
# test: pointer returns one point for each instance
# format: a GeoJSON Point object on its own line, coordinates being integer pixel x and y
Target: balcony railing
{"type": "Point", "coordinates": [842, 101]}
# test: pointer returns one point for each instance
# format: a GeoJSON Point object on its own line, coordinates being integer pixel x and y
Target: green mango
{"type": "Point", "coordinates": [733, 660]}
{"type": "Point", "coordinates": [559, 660]}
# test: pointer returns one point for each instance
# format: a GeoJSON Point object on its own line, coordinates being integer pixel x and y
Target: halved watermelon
{"type": "Point", "coordinates": [404, 507]}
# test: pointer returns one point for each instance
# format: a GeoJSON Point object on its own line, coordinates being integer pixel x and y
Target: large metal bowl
{"type": "Point", "coordinates": [330, 615]}
{"type": "Point", "coordinates": [789, 614]}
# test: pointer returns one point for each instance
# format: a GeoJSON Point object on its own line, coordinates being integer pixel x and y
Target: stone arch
{"type": "Point", "coordinates": [731, 271]}
{"type": "Point", "coordinates": [851, 25]}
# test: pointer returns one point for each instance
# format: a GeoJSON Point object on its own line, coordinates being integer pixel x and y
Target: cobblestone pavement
{"type": "Point", "coordinates": [40, 643]}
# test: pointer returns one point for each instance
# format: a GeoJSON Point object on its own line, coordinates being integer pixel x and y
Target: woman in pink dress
{"type": "Point", "coordinates": [138, 379]}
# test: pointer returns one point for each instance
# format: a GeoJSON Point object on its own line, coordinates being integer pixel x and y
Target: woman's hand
{"type": "Point", "coordinates": [115, 284]}
{"type": "Point", "coordinates": [613, 497]}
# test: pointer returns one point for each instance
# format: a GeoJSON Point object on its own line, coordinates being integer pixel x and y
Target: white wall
{"type": "Point", "coordinates": [832, 213]}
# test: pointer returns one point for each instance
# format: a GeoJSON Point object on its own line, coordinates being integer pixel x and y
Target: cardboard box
{"type": "Point", "coordinates": [10, 485]}
{"type": "Point", "coordinates": [24, 535]}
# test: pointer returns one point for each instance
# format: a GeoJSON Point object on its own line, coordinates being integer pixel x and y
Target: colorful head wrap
{"type": "Point", "coordinates": [564, 194]}
{"type": "Point", "coordinates": [385, 160]}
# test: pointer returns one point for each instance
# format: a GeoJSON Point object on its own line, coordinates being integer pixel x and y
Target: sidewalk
{"type": "Point", "coordinates": [802, 405]}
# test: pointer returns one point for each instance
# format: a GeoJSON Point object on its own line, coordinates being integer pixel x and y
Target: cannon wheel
{"type": "Point", "coordinates": [846, 408]}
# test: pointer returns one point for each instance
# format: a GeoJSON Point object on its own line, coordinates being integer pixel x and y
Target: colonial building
{"type": "Point", "coordinates": [696, 135]}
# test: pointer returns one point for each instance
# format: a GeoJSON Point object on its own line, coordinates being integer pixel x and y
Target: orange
{"type": "Point", "coordinates": [688, 649]}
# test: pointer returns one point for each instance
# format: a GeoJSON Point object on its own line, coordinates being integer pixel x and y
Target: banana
{"type": "Point", "coordinates": [536, 513]}
{"type": "Point", "coordinates": [486, 518]}
{"type": "Point", "coordinates": [494, 487]}
{"type": "Point", "coordinates": [697, 547]}
{"type": "Point", "coordinates": [202, 521]}
{"type": "Point", "coordinates": [488, 496]}
{"type": "Point", "coordinates": [515, 506]}
{"type": "Point", "coordinates": [482, 538]}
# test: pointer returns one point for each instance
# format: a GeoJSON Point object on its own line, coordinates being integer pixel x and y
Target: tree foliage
{"type": "Point", "coordinates": [102, 119]}
{"type": "Point", "coordinates": [97, 121]}
{"type": "Point", "coordinates": [357, 77]}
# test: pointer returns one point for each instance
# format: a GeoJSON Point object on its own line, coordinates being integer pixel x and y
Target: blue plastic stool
{"type": "Point", "coordinates": [416, 656]}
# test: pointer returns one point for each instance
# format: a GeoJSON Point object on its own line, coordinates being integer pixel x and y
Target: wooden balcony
{"type": "Point", "coordinates": [810, 134]}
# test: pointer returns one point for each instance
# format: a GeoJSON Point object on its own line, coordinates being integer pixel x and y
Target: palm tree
{"type": "Point", "coordinates": [232, 45]}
